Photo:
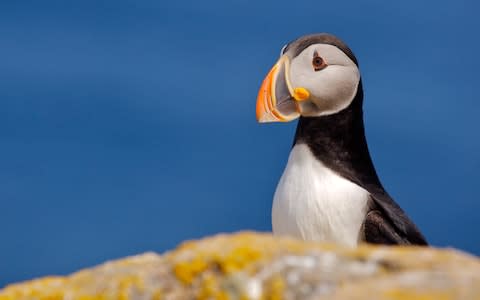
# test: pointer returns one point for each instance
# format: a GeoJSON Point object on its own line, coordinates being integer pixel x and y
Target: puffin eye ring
{"type": "Point", "coordinates": [318, 62]}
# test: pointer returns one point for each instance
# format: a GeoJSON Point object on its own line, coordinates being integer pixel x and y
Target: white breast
{"type": "Point", "coordinates": [314, 203]}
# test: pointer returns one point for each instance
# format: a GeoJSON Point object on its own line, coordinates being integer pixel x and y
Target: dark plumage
{"type": "Point", "coordinates": [329, 190]}
{"type": "Point", "coordinates": [338, 140]}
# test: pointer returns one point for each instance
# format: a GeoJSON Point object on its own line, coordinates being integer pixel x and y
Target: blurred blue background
{"type": "Point", "coordinates": [128, 126]}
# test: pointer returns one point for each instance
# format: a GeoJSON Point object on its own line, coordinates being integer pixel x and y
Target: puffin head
{"type": "Point", "coordinates": [316, 75]}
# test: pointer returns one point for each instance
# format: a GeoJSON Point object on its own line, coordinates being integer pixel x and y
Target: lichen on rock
{"type": "Point", "coordinates": [259, 266]}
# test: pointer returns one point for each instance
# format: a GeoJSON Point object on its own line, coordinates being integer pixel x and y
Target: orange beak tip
{"type": "Point", "coordinates": [267, 110]}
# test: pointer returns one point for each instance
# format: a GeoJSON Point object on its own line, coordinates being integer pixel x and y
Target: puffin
{"type": "Point", "coordinates": [329, 190]}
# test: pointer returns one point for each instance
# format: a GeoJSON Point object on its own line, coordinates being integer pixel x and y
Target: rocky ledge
{"type": "Point", "coordinates": [260, 266]}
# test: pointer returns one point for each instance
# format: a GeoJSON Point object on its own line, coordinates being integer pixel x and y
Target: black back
{"type": "Point", "coordinates": [339, 142]}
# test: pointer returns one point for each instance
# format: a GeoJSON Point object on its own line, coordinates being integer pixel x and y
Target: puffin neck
{"type": "Point", "coordinates": [339, 142]}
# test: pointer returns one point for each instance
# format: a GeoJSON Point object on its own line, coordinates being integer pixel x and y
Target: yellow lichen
{"type": "Point", "coordinates": [277, 288]}
{"type": "Point", "coordinates": [404, 294]}
{"type": "Point", "coordinates": [128, 283]}
{"type": "Point", "coordinates": [187, 271]}
{"type": "Point", "coordinates": [238, 259]}
{"type": "Point", "coordinates": [156, 295]}
{"type": "Point", "coordinates": [208, 269]}
{"type": "Point", "coordinates": [209, 289]}
{"type": "Point", "coordinates": [92, 297]}
{"type": "Point", "coordinates": [56, 295]}
{"type": "Point", "coordinates": [229, 262]}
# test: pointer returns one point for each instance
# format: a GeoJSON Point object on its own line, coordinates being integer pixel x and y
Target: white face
{"type": "Point", "coordinates": [332, 86]}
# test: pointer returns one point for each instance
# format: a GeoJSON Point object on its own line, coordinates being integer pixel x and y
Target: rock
{"type": "Point", "coordinates": [260, 266]}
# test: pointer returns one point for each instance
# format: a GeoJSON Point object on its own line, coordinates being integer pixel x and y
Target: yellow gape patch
{"type": "Point", "coordinates": [301, 94]}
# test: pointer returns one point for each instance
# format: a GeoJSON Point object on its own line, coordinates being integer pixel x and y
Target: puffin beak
{"type": "Point", "coordinates": [275, 102]}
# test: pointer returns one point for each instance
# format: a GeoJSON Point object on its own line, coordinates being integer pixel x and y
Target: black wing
{"type": "Point", "coordinates": [338, 141]}
{"type": "Point", "coordinates": [378, 230]}
{"type": "Point", "coordinates": [386, 223]}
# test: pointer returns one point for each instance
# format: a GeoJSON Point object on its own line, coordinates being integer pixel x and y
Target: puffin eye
{"type": "Point", "coordinates": [318, 63]}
